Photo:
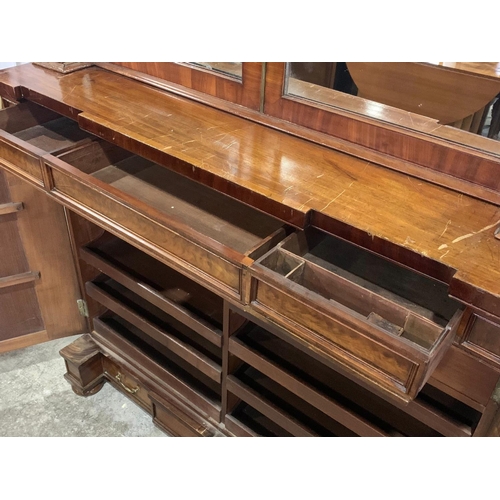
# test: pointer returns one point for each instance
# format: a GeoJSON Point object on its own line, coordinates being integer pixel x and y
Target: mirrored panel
{"type": "Point", "coordinates": [421, 96]}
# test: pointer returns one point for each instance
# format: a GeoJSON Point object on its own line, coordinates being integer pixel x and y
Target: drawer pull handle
{"type": "Point", "coordinates": [118, 378]}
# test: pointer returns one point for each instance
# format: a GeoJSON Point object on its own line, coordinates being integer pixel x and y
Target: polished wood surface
{"type": "Point", "coordinates": [357, 104]}
{"type": "Point", "coordinates": [427, 90]}
{"type": "Point", "coordinates": [411, 121]}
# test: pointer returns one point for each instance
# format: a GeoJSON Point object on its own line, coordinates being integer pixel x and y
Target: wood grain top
{"type": "Point", "coordinates": [281, 174]}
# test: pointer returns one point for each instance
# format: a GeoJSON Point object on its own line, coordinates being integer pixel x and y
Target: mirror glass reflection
{"type": "Point", "coordinates": [233, 69]}
{"type": "Point", "coordinates": [422, 96]}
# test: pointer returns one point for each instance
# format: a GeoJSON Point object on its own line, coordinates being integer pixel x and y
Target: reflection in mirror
{"type": "Point", "coordinates": [233, 69]}
{"type": "Point", "coordinates": [421, 96]}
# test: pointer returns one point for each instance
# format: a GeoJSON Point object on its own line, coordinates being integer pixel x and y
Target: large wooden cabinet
{"type": "Point", "coordinates": [242, 281]}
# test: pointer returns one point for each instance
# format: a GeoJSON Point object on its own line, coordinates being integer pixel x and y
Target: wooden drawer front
{"type": "Point", "coordinates": [15, 157]}
{"type": "Point", "coordinates": [28, 132]}
{"type": "Point", "coordinates": [125, 382]}
{"type": "Point", "coordinates": [177, 419]}
{"type": "Point", "coordinates": [482, 335]}
{"type": "Point", "coordinates": [287, 310]}
{"type": "Point", "coordinates": [390, 342]}
{"type": "Point", "coordinates": [175, 250]}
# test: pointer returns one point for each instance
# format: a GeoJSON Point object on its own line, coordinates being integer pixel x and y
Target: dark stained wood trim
{"type": "Point", "coordinates": [23, 341]}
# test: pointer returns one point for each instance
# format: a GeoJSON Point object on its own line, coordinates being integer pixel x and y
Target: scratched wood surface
{"type": "Point", "coordinates": [260, 166]}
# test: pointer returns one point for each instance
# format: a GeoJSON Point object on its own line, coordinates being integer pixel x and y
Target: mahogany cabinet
{"type": "Point", "coordinates": [225, 298]}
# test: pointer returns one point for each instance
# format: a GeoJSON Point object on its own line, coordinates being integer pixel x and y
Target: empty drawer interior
{"type": "Point", "coordinates": [181, 200]}
{"type": "Point", "coordinates": [398, 300]}
{"type": "Point", "coordinates": [41, 127]}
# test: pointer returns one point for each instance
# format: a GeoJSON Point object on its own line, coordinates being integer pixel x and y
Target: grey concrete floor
{"type": "Point", "coordinates": [36, 400]}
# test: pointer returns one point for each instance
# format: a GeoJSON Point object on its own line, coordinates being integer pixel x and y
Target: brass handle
{"type": "Point", "coordinates": [118, 378]}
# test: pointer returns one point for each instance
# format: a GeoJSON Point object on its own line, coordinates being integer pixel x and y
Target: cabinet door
{"type": "Point", "coordinates": [38, 283]}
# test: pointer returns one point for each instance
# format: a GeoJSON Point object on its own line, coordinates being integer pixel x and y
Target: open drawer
{"type": "Point", "coordinates": [383, 322]}
{"type": "Point", "coordinates": [197, 231]}
{"type": "Point", "coordinates": [29, 131]}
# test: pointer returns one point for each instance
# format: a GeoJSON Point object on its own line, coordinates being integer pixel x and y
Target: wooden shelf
{"type": "Point", "coordinates": [433, 413]}
{"type": "Point", "coordinates": [19, 279]}
{"type": "Point", "coordinates": [155, 324]}
{"type": "Point", "coordinates": [173, 293]}
{"type": "Point", "coordinates": [10, 208]}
